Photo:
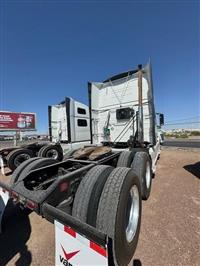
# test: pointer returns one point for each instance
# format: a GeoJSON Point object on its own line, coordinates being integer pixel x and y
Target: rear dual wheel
{"type": "Point", "coordinates": [17, 157]}
{"type": "Point", "coordinates": [51, 151]}
{"type": "Point", "coordinates": [118, 208]}
{"type": "Point", "coordinates": [125, 159]}
{"type": "Point", "coordinates": [89, 192]}
{"type": "Point", "coordinates": [141, 164]}
{"type": "Point", "coordinates": [119, 213]}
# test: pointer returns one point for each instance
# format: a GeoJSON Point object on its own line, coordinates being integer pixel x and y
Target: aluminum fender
{"type": "Point", "coordinates": [154, 152]}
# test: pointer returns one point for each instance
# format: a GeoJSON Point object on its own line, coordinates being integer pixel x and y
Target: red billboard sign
{"type": "Point", "coordinates": [17, 121]}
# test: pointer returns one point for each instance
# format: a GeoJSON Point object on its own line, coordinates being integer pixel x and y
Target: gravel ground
{"type": "Point", "coordinates": [170, 231]}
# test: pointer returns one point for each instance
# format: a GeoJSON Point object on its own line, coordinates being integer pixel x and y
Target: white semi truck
{"type": "Point", "coordinates": [94, 197]}
{"type": "Point", "coordinates": [69, 124]}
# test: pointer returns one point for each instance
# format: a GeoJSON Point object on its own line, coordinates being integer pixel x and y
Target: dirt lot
{"type": "Point", "coordinates": [170, 232]}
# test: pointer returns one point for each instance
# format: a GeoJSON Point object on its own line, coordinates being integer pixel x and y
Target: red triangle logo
{"type": "Point", "coordinates": [68, 256]}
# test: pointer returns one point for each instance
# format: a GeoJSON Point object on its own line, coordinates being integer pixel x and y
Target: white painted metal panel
{"type": "Point", "coordinates": [59, 123]}
{"type": "Point", "coordinates": [81, 133]}
{"type": "Point", "coordinates": [107, 97]}
{"type": "Point", "coordinates": [82, 106]}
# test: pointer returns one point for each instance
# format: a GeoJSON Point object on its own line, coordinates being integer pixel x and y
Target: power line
{"type": "Point", "coordinates": [181, 123]}
{"type": "Point", "coordinates": [182, 119]}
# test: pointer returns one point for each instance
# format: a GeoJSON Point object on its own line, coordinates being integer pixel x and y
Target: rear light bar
{"type": "Point", "coordinates": [64, 186]}
{"type": "Point", "coordinates": [31, 205]}
{"type": "Point", "coordinates": [25, 202]}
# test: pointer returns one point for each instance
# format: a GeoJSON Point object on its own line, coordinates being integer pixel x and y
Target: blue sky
{"type": "Point", "coordinates": [50, 49]}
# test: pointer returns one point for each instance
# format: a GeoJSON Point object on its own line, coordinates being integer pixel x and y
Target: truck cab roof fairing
{"type": "Point", "coordinates": [126, 73]}
{"type": "Point", "coordinates": [120, 76]}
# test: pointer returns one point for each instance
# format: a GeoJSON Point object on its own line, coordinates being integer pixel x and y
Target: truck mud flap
{"type": "Point", "coordinates": [77, 243]}
{"type": "Point", "coordinates": [71, 248]}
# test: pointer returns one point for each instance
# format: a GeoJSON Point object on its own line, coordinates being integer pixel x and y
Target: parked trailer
{"type": "Point", "coordinates": [94, 198]}
{"type": "Point", "coordinates": [69, 129]}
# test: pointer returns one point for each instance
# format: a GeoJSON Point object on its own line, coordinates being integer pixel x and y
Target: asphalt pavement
{"type": "Point", "coordinates": [187, 143]}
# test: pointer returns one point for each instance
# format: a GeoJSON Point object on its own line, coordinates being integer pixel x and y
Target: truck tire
{"type": "Point", "coordinates": [97, 174]}
{"type": "Point", "coordinates": [119, 213]}
{"type": "Point", "coordinates": [95, 198]}
{"type": "Point", "coordinates": [19, 169]}
{"type": "Point", "coordinates": [40, 151]}
{"type": "Point", "coordinates": [41, 162]}
{"type": "Point", "coordinates": [52, 151]}
{"type": "Point", "coordinates": [141, 165]}
{"type": "Point", "coordinates": [18, 156]}
{"type": "Point", "coordinates": [125, 159]}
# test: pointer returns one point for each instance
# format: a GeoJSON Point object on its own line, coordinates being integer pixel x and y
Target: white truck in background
{"type": "Point", "coordinates": [94, 197]}
{"type": "Point", "coordinates": [69, 124]}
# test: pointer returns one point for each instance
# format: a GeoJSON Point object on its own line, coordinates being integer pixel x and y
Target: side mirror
{"type": "Point", "coordinates": [161, 119]}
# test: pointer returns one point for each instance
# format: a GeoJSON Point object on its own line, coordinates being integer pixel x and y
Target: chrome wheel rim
{"type": "Point", "coordinates": [148, 175]}
{"type": "Point", "coordinates": [132, 213]}
{"type": "Point", "coordinates": [52, 154]}
{"type": "Point", "coordinates": [21, 158]}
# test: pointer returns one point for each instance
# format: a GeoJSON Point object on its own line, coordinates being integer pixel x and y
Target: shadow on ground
{"type": "Point", "coordinates": [193, 169]}
{"type": "Point", "coordinates": [137, 263]}
{"type": "Point", "coordinates": [16, 232]}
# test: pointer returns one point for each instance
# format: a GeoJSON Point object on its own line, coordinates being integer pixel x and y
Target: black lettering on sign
{"type": "Point", "coordinates": [65, 262]}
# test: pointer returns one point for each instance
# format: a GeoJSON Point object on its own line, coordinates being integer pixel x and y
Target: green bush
{"type": "Point", "coordinates": [195, 133]}
{"type": "Point", "coordinates": [184, 136]}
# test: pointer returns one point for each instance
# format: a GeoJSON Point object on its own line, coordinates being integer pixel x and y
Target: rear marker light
{"type": "Point", "coordinates": [63, 186]}
{"type": "Point", "coordinates": [14, 194]}
{"type": "Point", "coordinates": [31, 205]}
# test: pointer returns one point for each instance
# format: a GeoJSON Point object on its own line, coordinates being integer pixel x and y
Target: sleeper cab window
{"type": "Point", "coordinates": [82, 122]}
{"type": "Point", "coordinates": [81, 111]}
